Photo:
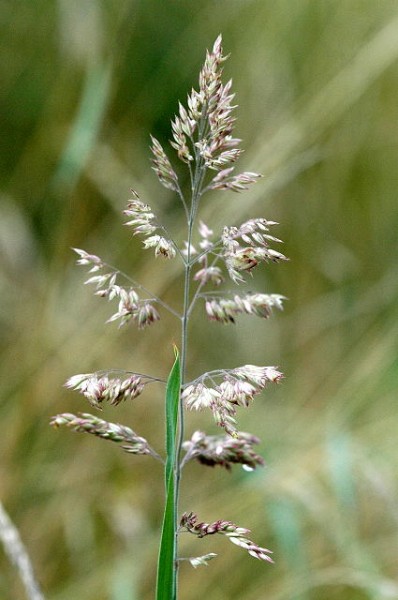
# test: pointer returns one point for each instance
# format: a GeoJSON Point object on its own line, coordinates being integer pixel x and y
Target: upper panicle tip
{"type": "Point", "coordinates": [217, 46]}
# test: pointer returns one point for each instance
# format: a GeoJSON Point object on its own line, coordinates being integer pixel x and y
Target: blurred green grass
{"type": "Point", "coordinates": [83, 85]}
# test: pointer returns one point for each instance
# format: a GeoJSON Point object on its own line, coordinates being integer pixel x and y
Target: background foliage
{"type": "Point", "coordinates": [83, 84]}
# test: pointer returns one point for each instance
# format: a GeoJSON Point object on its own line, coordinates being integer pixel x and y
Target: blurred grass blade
{"type": "Point", "coordinates": [123, 584]}
{"type": "Point", "coordinates": [86, 127]}
{"type": "Point", "coordinates": [16, 552]}
{"type": "Point", "coordinates": [166, 579]}
{"type": "Point", "coordinates": [341, 459]}
{"type": "Point", "coordinates": [287, 524]}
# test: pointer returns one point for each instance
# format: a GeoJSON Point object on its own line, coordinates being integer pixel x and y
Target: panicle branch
{"type": "Point", "coordinates": [162, 167]}
{"type": "Point", "coordinates": [212, 450]}
{"type": "Point", "coordinates": [143, 220]}
{"type": "Point", "coordinates": [241, 249]}
{"type": "Point", "coordinates": [237, 535]}
{"type": "Point", "coordinates": [237, 388]}
{"type": "Point", "coordinates": [254, 234]}
{"type": "Point", "coordinates": [131, 307]}
{"type": "Point", "coordinates": [100, 388]}
{"type": "Point", "coordinates": [199, 561]}
{"type": "Point", "coordinates": [87, 423]}
{"type": "Point", "coordinates": [224, 310]}
{"type": "Point", "coordinates": [224, 181]}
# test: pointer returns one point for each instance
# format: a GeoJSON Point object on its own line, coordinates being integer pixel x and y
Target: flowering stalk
{"type": "Point", "coordinates": [203, 138]}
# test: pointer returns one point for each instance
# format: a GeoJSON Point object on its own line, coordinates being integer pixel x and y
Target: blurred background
{"type": "Point", "coordinates": [84, 82]}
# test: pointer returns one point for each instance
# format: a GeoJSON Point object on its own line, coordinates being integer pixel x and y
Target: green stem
{"type": "Point", "coordinates": [197, 181]}
{"type": "Point", "coordinates": [184, 346]}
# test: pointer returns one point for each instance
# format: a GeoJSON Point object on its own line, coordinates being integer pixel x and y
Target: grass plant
{"type": "Point", "coordinates": [203, 139]}
{"type": "Point", "coordinates": [317, 83]}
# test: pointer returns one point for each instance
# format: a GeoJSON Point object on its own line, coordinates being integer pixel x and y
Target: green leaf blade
{"type": "Point", "coordinates": [166, 577]}
{"type": "Point", "coordinates": [172, 400]}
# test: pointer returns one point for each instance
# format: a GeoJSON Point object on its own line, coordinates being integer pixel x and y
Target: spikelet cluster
{"type": "Point", "coordinates": [237, 388]}
{"type": "Point", "coordinates": [237, 535]}
{"type": "Point", "coordinates": [225, 451]}
{"type": "Point", "coordinates": [98, 389]}
{"type": "Point", "coordinates": [201, 561]}
{"type": "Point", "coordinates": [225, 310]}
{"type": "Point", "coordinates": [86, 423]}
{"type": "Point", "coordinates": [143, 221]}
{"type": "Point", "coordinates": [203, 131]}
{"type": "Point", "coordinates": [245, 246]}
{"type": "Point", "coordinates": [130, 306]}
{"type": "Point", "coordinates": [162, 166]}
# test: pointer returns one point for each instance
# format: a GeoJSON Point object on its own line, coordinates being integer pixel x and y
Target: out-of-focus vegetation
{"type": "Point", "coordinates": [83, 84]}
